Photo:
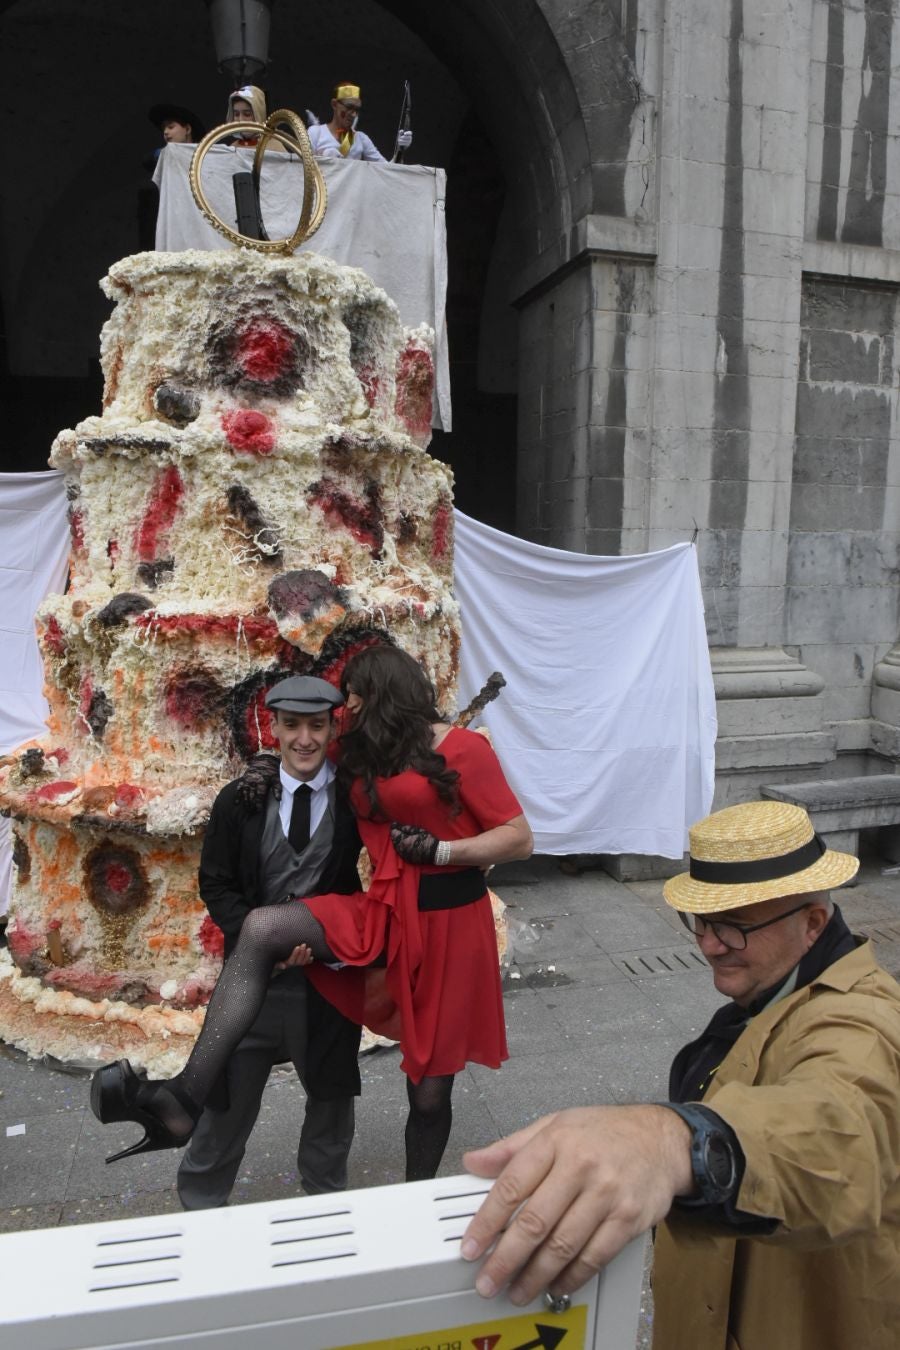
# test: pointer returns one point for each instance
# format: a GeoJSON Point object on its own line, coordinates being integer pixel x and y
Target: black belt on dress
{"type": "Point", "coordinates": [450, 890]}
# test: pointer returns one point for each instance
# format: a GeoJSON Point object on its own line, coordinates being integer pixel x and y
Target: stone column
{"type": "Point", "coordinates": [732, 171]}
{"type": "Point", "coordinates": [886, 707]}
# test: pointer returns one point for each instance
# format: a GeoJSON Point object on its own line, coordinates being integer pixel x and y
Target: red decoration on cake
{"type": "Point", "coordinates": [165, 499]}
{"type": "Point", "coordinates": [53, 637]}
{"type": "Point", "coordinates": [442, 530]}
{"type": "Point", "coordinates": [265, 350]}
{"type": "Point", "coordinates": [250, 628]}
{"type": "Point", "coordinates": [370, 380]}
{"type": "Point", "coordinates": [128, 796]}
{"type": "Point", "coordinates": [257, 723]}
{"type": "Point", "coordinates": [51, 792]}
{"type": "Point", "coordinates": [85, 696]}
{"type": "Point", "coordinates": [193, 697]}
{"type": "Point", "coordinates": [250, 432]}
{"type": "Point", "coordinates": [361, 518]}
{"type": "Point", "coordinates": [117, 877]}
{"type": "Point", "coordinates": [415, 389]}
{"type": "Point", "coordinates": [211, 937]}
{"type": "Point", "coordinates": [76, 528]}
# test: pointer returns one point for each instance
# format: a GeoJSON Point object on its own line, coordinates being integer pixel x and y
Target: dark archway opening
{"type": "Point", "coordinates": [481, 448]}
{"type": "Point", "coordinates": [83, 197]}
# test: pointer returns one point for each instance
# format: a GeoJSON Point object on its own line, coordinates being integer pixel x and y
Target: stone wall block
{"type": "Point", "coordinates": [846, 412]}
{"type": "Point", "coordinates": [767, 752]}
{"type": "Point", "coordinates": [768, 716]}
{"type": "Point", "coordinates": [858, 613]}
{"type": "Point", "coordinates": [857, 559]}
{"type": "Point", "coordinates": [816, 507]}
{"type": "Point", "coordinates": [775, 76]}
{"type": "Point", "coordinates": [848, 307]}
{"type": "Point", "coordinates": [853, 357]}
{"type": "Point", "coordinates": [840, 463]}
{"type": "Point", "coordinates": [840, 663]}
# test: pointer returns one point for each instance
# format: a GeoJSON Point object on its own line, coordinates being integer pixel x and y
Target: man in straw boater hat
{"type": "Point", "coordinates": [774, 1170]}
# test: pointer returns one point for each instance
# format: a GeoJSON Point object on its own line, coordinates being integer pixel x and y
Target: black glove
{"type": "Point", "coordinates": [413, 844]}
{"type": "Point", "coordinates": [256, 780]}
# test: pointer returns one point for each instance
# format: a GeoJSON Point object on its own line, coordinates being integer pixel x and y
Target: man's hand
{"type": "Point", "coordinates": [574, 1188]}
{"type": "Point", "coordinates": [300, 956]}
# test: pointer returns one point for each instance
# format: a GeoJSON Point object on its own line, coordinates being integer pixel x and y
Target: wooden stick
{"type": "Point", "coordinates": [489, 691]}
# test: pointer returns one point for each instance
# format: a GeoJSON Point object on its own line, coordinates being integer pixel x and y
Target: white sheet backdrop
{"type": "Point", "coordinates": [34, 553]}
{"type": "Point", "coordinates": [387, 219]}
{"type": "Point", "coordinates": [607, 726]}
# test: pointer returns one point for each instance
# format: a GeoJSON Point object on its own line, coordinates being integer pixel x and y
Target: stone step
{"type": "Point", "coordinates": [841, 807]}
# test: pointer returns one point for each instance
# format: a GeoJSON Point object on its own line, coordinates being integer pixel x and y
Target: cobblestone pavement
{"type": "Point", "coordinates": [604, 987]}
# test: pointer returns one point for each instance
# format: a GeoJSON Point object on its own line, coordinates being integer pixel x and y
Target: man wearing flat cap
{"type": "Point", "coordinates": [773, 1171]}
{"type": "Point", "coordinates": [297, 837]}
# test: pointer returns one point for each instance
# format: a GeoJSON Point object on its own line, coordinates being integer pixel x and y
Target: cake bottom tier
{"type": "Point", "coordinates": [43, 1021]}
{"type": "Point", "coordinates": [111, 915]}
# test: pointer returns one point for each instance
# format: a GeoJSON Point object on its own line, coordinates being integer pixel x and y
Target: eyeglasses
{"type": "Point", "coordinates": [732, 935]}
{"type": "Point", "coordinates": [349, 107]}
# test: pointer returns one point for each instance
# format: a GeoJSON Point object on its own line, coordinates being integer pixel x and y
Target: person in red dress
{"type": "Point", "coordinates": [425, 920]}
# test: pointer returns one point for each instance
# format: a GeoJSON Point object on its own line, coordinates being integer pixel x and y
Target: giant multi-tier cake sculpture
{"type": "Point", "coordinates": [254, 501]}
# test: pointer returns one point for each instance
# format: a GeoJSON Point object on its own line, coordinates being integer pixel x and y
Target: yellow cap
{"type": "Point", "coordinates": [347, 91]}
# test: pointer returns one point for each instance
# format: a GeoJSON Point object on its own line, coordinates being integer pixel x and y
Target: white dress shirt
{"type": "Point", "coordinates": [318, 803]}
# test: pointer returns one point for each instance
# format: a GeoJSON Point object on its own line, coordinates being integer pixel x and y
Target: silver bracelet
{"type": "Point", "coordinates": [442, 853]}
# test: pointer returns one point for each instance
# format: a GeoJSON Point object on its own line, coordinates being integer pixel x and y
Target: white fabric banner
{"type": "Point", "coordinates": [387, 219]}
{"type": "Point", "coordinates": [34, 557]}
{"type": "Point", "coordinates": [607, 726]}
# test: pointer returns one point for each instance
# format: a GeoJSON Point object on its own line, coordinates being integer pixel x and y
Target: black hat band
{"type": "Point", "coordinates": [761, 869]}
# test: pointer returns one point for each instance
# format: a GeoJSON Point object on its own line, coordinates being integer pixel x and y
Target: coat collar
{"type": "Point", "coordinates": [742, 1061]}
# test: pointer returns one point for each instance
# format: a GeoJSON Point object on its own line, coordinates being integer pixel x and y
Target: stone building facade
{"type": "Point", "coordinates": [675, 269]}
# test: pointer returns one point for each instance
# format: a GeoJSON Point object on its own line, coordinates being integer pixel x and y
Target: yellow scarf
{"type": "Point", "coordinates": [346, 141]}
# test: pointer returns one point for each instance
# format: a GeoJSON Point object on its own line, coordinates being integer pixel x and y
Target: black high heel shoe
{"type": "Point", "coordinates": [118, 1093]}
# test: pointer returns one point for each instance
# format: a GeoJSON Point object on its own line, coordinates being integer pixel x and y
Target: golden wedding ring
{"type": "Point", "coordinates": [315, 194]}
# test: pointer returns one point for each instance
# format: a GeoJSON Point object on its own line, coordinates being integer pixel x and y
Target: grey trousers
{"type": "Point", "coordinates": [210, 1164]}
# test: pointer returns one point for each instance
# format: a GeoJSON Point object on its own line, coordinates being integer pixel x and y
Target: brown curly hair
{"type": "Point", "coordinates": [393, 729]}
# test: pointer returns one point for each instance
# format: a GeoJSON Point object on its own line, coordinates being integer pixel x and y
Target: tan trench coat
{"type": "Point", "coordinates": [812, 1090]}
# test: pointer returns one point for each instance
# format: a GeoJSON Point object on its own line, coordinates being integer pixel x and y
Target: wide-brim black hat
{"type": "Point", "coordinates": [176, 112]}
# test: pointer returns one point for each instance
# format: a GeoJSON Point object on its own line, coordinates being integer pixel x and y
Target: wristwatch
{"type": "Point", "coordinates": [714, 1161]}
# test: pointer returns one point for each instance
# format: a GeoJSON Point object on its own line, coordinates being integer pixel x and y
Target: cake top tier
{"type": "Point", "coordinates": [301, 338]}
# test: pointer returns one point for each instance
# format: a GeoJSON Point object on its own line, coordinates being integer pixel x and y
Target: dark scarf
{"type": "Point", "coordinates": [695, 1064]}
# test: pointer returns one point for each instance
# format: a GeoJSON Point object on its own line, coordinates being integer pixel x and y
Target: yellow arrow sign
{"type": "Point", "coordinates": [529, 1332]}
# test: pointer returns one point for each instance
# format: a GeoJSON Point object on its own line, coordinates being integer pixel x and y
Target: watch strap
{"type": "Point", "coordinates": [708, 1129]}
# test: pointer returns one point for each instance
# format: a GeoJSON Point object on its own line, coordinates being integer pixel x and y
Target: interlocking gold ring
{"type": "Point", "coordinates": [315, 194]}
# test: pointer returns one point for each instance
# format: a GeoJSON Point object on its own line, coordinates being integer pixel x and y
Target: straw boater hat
{"type": "Point", "coordinates": [752, 852]}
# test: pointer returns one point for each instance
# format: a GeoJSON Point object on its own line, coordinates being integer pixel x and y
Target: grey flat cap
{"type": "Point", "coordinates": [303, 694]}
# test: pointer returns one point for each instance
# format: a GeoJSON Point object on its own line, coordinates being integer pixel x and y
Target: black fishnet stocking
{"type": "Point", "coordinates": [428, 1125]}
{"type": "Point", "coordinates": [269, 934]}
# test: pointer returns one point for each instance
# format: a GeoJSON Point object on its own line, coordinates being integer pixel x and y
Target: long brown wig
{"type": "Point", "coordinates": [393, 729]}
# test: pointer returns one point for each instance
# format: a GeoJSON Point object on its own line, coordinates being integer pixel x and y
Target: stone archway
{"type": "Point", "coordinates": [556, 112]}
{"type": "Point", "coordinates": [529, 103]}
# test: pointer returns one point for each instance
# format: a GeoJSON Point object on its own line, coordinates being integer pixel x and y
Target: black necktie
{"type": "Point", "coordinates": [298, 834]}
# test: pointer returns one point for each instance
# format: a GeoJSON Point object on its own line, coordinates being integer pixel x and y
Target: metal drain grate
{"type": "Point", "coordinates": [680, 961]}
{"type": "Point", "coordinates": [882, 932]}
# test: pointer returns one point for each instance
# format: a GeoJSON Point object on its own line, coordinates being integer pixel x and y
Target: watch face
{"type": "Point", "coordinates": [719, 1162]}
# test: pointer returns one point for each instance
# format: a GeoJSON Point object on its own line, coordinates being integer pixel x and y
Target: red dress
{"type": "Point", "coordinates": [442, 976]}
